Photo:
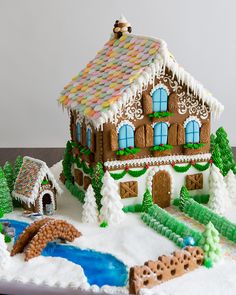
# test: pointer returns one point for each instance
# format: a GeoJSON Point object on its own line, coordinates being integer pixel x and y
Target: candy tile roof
{"type": "Point", "coordinates": [119, 71]}
{"type": "Point", "coordinates": [29, 180]}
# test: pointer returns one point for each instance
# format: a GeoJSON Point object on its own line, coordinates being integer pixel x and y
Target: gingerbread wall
{"type": "Point", "coordinates": [182, 103]}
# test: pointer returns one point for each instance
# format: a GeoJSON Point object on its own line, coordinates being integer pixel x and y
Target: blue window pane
{"type": "Point", "coordinates": [160, 133]}
{"type": "Point", "coordinates": [88, 138]}
{"type": "Point", "coordinates": [78, 132]}
{"type": "Point", "coordinates": [192, 132]}
{"type": "Point", "coordinates": [159, 100]}
{"type": "Point", "coordinates": [126, 137]}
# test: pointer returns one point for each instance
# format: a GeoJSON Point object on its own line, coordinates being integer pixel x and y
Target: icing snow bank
{"type": "Point", "coordinates": [52, 272]}
{"type": "Point", "coordinates": [49, 271]}
{"type": "Point", "coordinates": [4, 254]}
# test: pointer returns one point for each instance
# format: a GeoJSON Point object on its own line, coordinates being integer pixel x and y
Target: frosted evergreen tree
{"type": "Point", "coordinates": [230, 180]}
{"type": "Point", "coordinates": [210, 243]}
{"type": "Point", "coordinates": [90, 210]}
{"type": "Point", "coordinates": [147, 201]}
{"type": "Point", "coordinates": [111, 210]}
{"type": "Point", "coordinates": [5, 197]}
{"type": "Point", "coordinates": [219, 200]}
{"type": "Point", "coordinates": [17, 165]}
{"type": "Point", "coordinates": [9, 174]}
{"type": "Point", "coordinates": [184, 196]}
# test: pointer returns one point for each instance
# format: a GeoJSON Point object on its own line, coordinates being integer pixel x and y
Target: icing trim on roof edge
{"type": "Point", "coordinates": [163, 60]}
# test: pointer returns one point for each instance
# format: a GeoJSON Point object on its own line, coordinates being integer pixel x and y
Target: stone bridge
{"type": "Point", "coordinates": [36, 236]}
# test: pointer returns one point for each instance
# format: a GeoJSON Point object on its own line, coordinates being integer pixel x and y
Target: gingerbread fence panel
{"type": "Point", "coordinates": [165, 268]}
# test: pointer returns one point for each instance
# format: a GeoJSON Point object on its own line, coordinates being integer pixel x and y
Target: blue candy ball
{"type": "Point", "coordinates": [189, 241]}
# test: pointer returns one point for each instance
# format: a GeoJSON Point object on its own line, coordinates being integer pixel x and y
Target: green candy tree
{"type": "Point", "coordinates": [66, 163]}
{"type": "Point", "coordinates": [210, 243]}
{"type": "Point", "coordinates": [216, 157]}
{"type": "Point", "coordinates": [147, 201]}
{"type": "Point", "coordinates": [17, 166]}
{"type": "Point", "coordinates": [212, 142]}
{"type": "Point", "coordinates": [184, 196]}
{"type": "Point", "coordinates": [9, 174]}
{"type": "Point", "coordinates": [5, 197]}
{"type": "Point", "coordinates": [97, 182]}
{"type": "Point", "coordinates": [225, 151]}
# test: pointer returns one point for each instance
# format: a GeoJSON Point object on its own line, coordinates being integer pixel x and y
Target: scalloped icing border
{"type": "Point", "coordinates": [157, 160]}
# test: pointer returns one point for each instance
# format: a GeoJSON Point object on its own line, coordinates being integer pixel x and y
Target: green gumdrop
{"type": "Point", "coordinates": [208, 263]}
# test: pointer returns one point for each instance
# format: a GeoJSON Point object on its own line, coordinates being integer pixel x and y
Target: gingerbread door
{"type": "Point", "coordinates": [161, 185]}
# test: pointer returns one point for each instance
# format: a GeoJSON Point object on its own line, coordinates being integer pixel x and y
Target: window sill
{"type": "Point", "coordinates": [194, 146]}
{"type": "Point", "coordinates": [158, 115]}
{"type": "Point", "coordinates": [128, 151]}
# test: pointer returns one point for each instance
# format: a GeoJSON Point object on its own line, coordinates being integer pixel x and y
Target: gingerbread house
{"type": "Point", "coordinates": [36, 187]}
{"type": "Point", "coordinates": [134, 109]}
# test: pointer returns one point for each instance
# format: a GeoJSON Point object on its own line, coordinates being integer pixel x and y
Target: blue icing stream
{"type": "Point", "coordinates": [99, 268]}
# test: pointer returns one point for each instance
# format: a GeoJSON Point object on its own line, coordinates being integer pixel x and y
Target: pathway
{"type": "Point", "coordinates": [229, 248]}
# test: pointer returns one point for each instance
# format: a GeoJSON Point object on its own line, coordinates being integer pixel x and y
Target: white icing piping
{"type": "Point", "coordinates": [163, 60]}
{"type": "Point", "coordinates": [192, 118]}
{"type": "Point", "coordinates": [153, 171]}
{"type": "Point", "coordinates": [125, 122]}
{"type": "Point", "coordinates": [160, 85]}
{"type": "Point", "coordinates": [158, 160]}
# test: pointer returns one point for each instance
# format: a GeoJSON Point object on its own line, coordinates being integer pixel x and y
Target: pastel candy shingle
{"type": "Point", "coordinates": [104, 79]}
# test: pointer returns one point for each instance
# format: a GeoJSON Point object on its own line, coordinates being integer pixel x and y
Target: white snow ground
{"type": "Point", "coordinates": [132, 242]}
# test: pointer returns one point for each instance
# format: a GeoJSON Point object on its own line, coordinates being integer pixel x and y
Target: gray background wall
{"type": "Point", "coordinates": [44, 43]}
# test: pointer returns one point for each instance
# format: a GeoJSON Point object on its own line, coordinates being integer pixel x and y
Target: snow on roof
{"type": "Point", "coordinates": [120, 71]}
{"type": "Point", "coordinates": [30, 178]}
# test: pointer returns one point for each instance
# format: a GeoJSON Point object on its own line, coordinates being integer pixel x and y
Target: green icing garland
{"type": "Point", "coordinates": [180, 169]}
{"type": "Point", "coordinates": [133, 173]}
{"type": "Point", "coordinates": [197, 166]}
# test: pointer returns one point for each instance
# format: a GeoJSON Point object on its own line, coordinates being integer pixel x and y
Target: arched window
{"type": "Point", "coordinates": [192, 132]}
{"type": "Point", "coordinates": [160, 133]}
{"type": "Point", "coordinates": [159, 100]}
{"type": "Point", "coordinates": [78, 132]}
{"type": "Point", "coordinates": [126, 136]}
{"type": "Point", "coordinates": [88, 137]}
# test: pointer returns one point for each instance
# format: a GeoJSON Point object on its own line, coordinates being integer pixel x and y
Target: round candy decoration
{"type": "Point", "coordinates": [189, 241]}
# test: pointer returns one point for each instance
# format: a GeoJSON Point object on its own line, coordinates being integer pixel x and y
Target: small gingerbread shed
{"type": "Point", "coordinates": [36, 187]}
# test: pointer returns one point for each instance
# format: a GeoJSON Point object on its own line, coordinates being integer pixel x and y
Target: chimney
{"type": "Point", "coordinates": [121, 27]}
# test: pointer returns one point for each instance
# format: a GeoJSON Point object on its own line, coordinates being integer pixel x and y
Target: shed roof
{"type": "Point", "coordinates": [30, 178]}
{"type": "Point", "coordinates": [120, 71]}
